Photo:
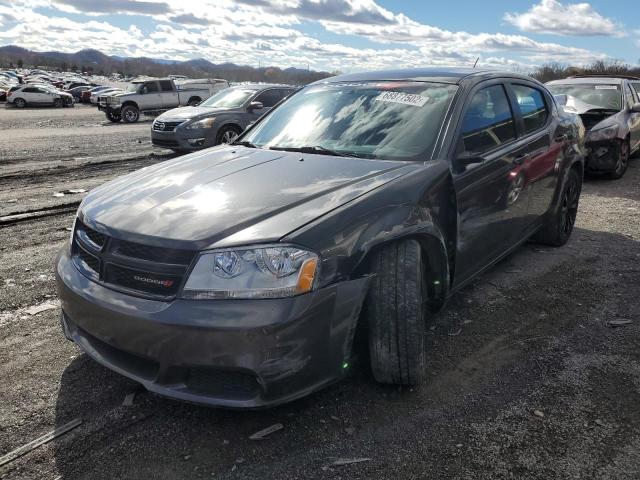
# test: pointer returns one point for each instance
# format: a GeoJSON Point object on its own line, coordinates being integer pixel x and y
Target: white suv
{"type": "Point", "coordinates": [37, 95]}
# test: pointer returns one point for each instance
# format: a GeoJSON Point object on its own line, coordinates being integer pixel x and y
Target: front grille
{"type": "Point", "coordinates": [132, 267]}
{"type": "Point", "coordinates": [159, 126]}
{"type": "Point", "coordinates": [213, 382]}
{"type": "Point", "coordinates": [153, 254]}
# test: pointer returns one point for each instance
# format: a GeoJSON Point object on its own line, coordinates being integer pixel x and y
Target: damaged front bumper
{"type": "Point", "coordinates": [602, 155]}
{"type": "Point", "coordinates": [229, 353]}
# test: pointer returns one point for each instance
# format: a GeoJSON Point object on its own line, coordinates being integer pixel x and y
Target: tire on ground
{"type": "Point", "coordinates": [558, 227]}
{"type": "Point", "coordinates": [396, 306]}
{"type": "Point", "coordinates": [193, 101]}
{"type": "Point", "coordinates": [20, 102]}
{"type": "Point", "coordinates": [58, 103]}
{"type": "Point", "coordinates": [622, 162]}
{"type": "Point", "coordinates": [113, 117]}
{"type": "Point", "coordinates": [227, 129]}
{"type": "Point", "coordinates": [130, 114]}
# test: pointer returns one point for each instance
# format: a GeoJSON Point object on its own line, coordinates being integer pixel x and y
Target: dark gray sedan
{"type": "Point", "coordinates": [219, 119]}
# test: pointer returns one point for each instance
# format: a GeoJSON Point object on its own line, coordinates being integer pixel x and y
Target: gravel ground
{"type": "Point", "coordinates": [527, 380]}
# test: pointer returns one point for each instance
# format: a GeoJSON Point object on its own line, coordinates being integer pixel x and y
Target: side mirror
{"type": "Point", "coordinates": [467, 158]}
{"type": "Point", "coordinates": [635, 108]}
{"type": "Point", "coordinates": [255, 106]}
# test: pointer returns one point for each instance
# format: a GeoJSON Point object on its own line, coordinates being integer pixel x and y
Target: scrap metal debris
{"type": "Point", "coordinates": [619, 323]}
{"type": "Point", "coordinates": [43, 307]}
{"type": "Point", "coordinates": [349, 461]}
{"type": "Point", "coordinates": [267, 431]}
{"type": "Point", "coordinates": [47, 437]}
{"type": "Point", "coordinates": [69, 191]}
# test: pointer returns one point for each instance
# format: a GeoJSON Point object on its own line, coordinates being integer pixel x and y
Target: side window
{"type": "Point", "coordinates": [636, 86]}
{"type": "Point", "coordinates": [630, 96]}
{"type": "Point", "coordinates": [488, 121]}
{"type": "Point", "coordinates": [532, 107]}
{"type": "Point", "coordinates": [287, 92]}
{"type": "Point", "coordinates": [150, 87]}
{"type": "Point", "coordinates": [166, 86]}
{"type": "Point", "coordinates": [30, 90]}
{"type": "Point", "coordinates": [268, 98]}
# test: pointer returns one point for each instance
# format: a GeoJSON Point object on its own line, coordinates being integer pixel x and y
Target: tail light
{"type": "Point", "coordinates": [9, 94]}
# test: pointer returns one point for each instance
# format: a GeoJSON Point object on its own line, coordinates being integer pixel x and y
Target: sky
{"type": "Point", "coordinates": [334, 35]}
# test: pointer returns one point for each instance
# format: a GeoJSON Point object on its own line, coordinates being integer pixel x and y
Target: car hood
{"type": "Point", "coordinates": [187, 113]}
{"type": "Point", "coordinates": [197, 200]}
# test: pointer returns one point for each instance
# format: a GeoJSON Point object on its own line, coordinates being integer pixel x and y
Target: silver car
{"type": "Point", "coordinates": [610, 110]}
{"type": "Point", "coordinates": [219, 119]}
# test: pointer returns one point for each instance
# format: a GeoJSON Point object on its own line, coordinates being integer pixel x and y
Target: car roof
{"type": "Point", "coordinates": [453, 75]}
{"type": "Point", "coordinates": [261, 86]}
{"type": "Point", "coordinates": [583, 80]}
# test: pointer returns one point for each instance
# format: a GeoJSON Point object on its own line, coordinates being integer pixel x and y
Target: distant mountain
{"type": "Point", "coordinates": [94, 61]}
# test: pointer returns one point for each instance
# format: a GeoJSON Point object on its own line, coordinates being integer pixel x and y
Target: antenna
{"type": "Point", "coordinates": [476, 62]}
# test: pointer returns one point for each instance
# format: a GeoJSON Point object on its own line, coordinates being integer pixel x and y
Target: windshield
{"type": "Point", "coordinates": [229, 98]}
{"type": "Point", "coordinates": [390, 120]}
{"type": "Point", "coordinates": [593, 95]}
{"type": "Point", "coordinates": [133, 87]}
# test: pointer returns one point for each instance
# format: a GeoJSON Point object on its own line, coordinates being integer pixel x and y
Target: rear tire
{"type": "Point", "coordinates": [193, 101]}
{"type": "Point", "coordinates": [130, 114]}
{"type": "Point", "coordinates": [622, 162]}
{"type": "Point", "coordinates": [20, 102]}
{"type": "Point", "coordinates": [396, 306]}
{"type": "Point", "coordinates": [557, 230]}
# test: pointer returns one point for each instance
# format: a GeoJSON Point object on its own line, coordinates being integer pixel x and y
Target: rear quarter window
{"type": "Point", "coordinates": [533, 108]}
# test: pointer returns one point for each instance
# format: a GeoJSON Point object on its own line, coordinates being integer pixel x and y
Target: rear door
{"type": "Point", "coordinates": [634, 118]}
{"type": "Point", "coordinates": [542, 146]}
{"type": "Point", "coordinates": [169, 94]}
{"type": "Point", "coordinates": [492, 196]}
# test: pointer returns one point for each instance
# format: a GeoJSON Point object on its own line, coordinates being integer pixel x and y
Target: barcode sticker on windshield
{"type": "Point", "coordinates": [403, 98]}
{"type": "Point", "coordinates": [606, 87]}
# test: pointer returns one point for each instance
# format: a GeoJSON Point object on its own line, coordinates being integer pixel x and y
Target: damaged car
{"type": "Point", "coordinates": [239, 275]}
{"type": "Point", "coordinates": [610, 110]}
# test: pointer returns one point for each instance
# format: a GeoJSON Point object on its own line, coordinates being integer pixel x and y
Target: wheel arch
{"type": "Point", "coordinates": [130, 103]}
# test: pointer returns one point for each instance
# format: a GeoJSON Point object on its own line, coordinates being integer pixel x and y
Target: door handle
{"type": "Point", "coordinates": [520, 159]}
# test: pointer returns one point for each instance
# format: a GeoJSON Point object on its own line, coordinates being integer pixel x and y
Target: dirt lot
{"type": "Point", "coordinates": [531, 335]}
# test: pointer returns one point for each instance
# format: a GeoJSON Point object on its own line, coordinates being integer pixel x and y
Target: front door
{"type": "Point", "coordinates": [634, 117]}
{"type": "Point", "coordinates": [492, 195]}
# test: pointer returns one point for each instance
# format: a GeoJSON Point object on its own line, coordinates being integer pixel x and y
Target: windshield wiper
{"type": "Point", "coordinates": [316, 149]}
{"type": "Point", "coordinates": [244, 143]}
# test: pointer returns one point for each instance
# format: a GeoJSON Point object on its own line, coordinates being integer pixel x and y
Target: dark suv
{"type": "Point", "coordinates": [610, 110]}
{"type": "Point", "coordinates": [237, 276]}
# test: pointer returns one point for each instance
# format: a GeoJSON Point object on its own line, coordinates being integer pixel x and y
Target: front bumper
{"type": "Point", "coordinates": [181, 139]}
{"type": "Point", "coordinates": [602, 155]}
{"type": "Point", "coordinates": [229, 353]}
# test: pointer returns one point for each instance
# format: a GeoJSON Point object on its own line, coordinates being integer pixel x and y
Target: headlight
{"type": "Point", "coordinates": [200, 124]}
{"type": "Point", "coordinates": [113, 100]}
{"type": "Point", "coordinates": [605, 133]}
{"type": "Point", "coordinates": [271, 271]}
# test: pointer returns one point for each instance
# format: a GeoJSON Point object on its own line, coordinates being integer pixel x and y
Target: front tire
{"type": "Point", "coordinates": [130, 114]}
{"type": "Point", "coordinates": [57, 103]}
{"type": "Point", "coordinates": [396, 306]}
{"type": "Point", "coordinates": [113, 117]}
{"type": "Point", "coordinates": [557, 230]}
{"type": "Point", "coordinates": [622, 163]}
{"type": "Point", "coordinates": [227, 134]}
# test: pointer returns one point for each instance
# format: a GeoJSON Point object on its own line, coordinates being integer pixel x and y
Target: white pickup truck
{"type": "Point", "coordinates": [154, 96]}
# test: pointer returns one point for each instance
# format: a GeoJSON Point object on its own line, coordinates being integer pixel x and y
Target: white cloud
{"type": "Point", "coordinates": [552, 17]}
{"type": "Point", "coordinates": [270, 32]}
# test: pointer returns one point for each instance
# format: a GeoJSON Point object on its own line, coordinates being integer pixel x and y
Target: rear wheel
{"type": "Point", "coordinates": [193, 101]}
{"type": "Point", "coordinates": [622, 163]}
{"type": "Point", "coordinates": [557, 230]}
{"type": "Point", "coordinates": [130, 114]}
{"type": "Point", "coordinates": [396, 306]}
{"type": "Point", "coordinates": [113, 117]}
{"type": "Point", "coordinates": [227, 134]}
{"type": "Point", "coordinates": [20, 102]}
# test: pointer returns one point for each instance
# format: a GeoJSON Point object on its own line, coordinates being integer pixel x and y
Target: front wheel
{"type": "Point", "coordinates": [396, 307]}
{"type": "Point", "coordinates": [130, 114]}
{"type": "Point", "coordinates": [227, 134]}
{"type": "Point", "coordinates": [622, 162]}
{"type": "Point", "coordinates": [57, 103]}
{"type": "Point", "coordinates": [113, 117]}
{"type": "Point", "coordinates": [558, 228]}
